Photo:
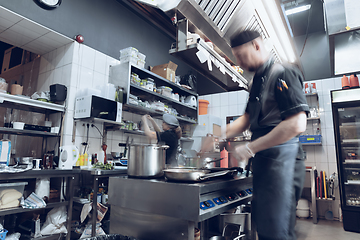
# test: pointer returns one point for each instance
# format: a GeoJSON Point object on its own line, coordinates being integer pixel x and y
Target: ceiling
{"type": "Point", "coordinates": [306, 22]}
{"type": "Point", "coordinates": [26, 34]}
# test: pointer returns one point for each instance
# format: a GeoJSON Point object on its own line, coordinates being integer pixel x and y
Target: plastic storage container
{"type": "Point", "coordinates": [140, 63]}
{"type": "Point", "coordinates": [310, 139]}
{"type": "Point", "coordinates": [131, 59]}
{"type": "Point", "coordinates": [3, 85]}
{"type": "Point", "coordinates": [203, 106]}
{"type": "Point", "coordinates": [141, 56]}
{"type": "Point", "coordinates": [130, 51]}
{"type": "Point", "coordinates": [303, 209]}
{"type": "Point", "coordinates": [10, 194]}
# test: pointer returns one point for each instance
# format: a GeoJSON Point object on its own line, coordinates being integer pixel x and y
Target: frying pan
{"type": "Point", "coordinates": [193, 175]}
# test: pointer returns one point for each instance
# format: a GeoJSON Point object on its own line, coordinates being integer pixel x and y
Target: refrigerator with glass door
{"type": "Point", "coordinates": [346, 116]}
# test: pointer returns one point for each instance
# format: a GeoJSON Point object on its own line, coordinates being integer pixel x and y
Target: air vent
{"type": "Point", "coordinates": [256, 25]}
{"type": "Point", "coordinates": [275, 55]}
{"type": "Point", "coordinates": [220, 12]}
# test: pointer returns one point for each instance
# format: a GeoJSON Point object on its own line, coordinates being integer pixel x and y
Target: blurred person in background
{"type": "Point", "coordinates": [169, 135]}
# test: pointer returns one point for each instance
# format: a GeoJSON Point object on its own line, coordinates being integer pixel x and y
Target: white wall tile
{"type": "Point", "coordinates": [331, 153]}
{"type": "Point", "coordinates": [99, 79]}
{"type": "Point", "coordinates": [66, 74]}
{"type": "Point", "coordinates": [75, 75]}
{"type": "Point", "coordinates": [71, 95]}
{"type": "Point", "coordinates": [68, 53]}
{"type": "Point", "coordinates": [43, 64]}
{"type": "Point", "coordinates": [86, 78]}
{"type": "Point", "coordinates": [243, 96]}
{"type": "Point", "coordinates": [332, 168]}
{"type": "Point", "coordinates": [77, 53]}
{"type": "Point", "coordinates": [224, 112]}
{"type": "Point", "coordinates": [330, 138]}
{"type": "Point", "coordinates": [233, 98]}
{"type": "Point", "coordinates": [88, 57]}
{"type": "Point", "coordinates": [323, 167]}
{"type": "Point", "coordinates": [58, 76]}
{"type": "Point", "coordinates": [59, 57]}
{"type": "Point", "coordinates": [100, 63]}
{"type": "Point", "coordinates": [337, 83]}
{"type": "Point", "coordinates": [224, 99]}
{"type": "Point", "coordinates": [216, 112]}
{"type": "Point", "coordinates": [215, 101]}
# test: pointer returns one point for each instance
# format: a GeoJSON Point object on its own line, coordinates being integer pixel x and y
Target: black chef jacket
{"type": "Point", "coordinates": [169, 138]}
{"type": "Point", "coordinates": [279, 90]}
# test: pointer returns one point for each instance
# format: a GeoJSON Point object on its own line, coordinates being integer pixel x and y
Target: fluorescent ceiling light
{"type": "Point", "coordinates": [298, 9]}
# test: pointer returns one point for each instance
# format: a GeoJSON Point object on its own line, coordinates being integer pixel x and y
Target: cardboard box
{"type": "Point", "coordinates": [166, 70]}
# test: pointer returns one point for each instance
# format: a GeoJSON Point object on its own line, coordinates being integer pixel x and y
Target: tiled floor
{"type": "Point", "coordinates": [323, 230]}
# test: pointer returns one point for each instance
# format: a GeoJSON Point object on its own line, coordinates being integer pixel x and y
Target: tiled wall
{"type": "Point", "coordinates": [226, 104]}
{"type": "Point", "coordinates": [78, 66]}
{"type": "Point", "coordinates": [324, 156]}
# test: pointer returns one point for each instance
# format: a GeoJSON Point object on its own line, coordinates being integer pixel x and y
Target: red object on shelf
{"type": "Point", "coordinates": [345, 84]}
{"type": "Point", "coordinates": [354, 81]}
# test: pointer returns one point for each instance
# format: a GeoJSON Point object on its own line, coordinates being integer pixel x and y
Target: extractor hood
{"type": "Point", "coordinates": [217, 21]}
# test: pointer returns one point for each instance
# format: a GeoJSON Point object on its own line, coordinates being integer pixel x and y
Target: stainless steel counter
{"type": "Point", "coordinates": [160, 209]}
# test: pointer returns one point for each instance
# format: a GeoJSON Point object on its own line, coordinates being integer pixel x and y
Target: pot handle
{"type": "Point", "coordinates": [162, 147]}
{"type": "Point", "coordinates": [217, 174]}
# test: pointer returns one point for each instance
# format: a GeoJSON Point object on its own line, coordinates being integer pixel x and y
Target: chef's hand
{"type": "Point", "coordinates": [243, 152]}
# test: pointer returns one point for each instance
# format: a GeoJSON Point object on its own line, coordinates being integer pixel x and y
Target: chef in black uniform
{"type": "Point", "coordinates": [276, 114]}
{"type": "Point", "coordinates": [169, 136]}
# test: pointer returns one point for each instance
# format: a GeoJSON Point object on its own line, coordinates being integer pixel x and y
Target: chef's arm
{"type": "Point", "coordinates": [156, 127]}
{"type": "Point", "coordinates": [147, 131]}
{"type": "Point", "coordinates": [238, 126]}
{"type": "Point", "coordinates": [286, 130]}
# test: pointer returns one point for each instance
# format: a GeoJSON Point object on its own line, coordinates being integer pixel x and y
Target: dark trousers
{"type": "Point", "coordinates": [278, 182]}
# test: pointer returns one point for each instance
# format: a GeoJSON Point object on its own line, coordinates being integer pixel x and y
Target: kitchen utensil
{"type": "Point", "coordinates": [193, 175]}
{"type": "Point", "coordinates": [69, 154]}
{"type": "Point", "coordinates": [117, 155]}
{"type": "Point", "coordinates": [146, 160]}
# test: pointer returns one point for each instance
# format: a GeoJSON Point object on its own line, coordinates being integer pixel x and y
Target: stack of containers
{"type": "Point", "coordinates": [133, 56]}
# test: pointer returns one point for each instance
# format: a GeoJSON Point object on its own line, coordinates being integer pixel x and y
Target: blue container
{"type": "Point", "coordinates": [310, 139]}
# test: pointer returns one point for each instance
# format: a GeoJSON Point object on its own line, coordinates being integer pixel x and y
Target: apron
{"type": "Point", "coordinates": [274, 198]}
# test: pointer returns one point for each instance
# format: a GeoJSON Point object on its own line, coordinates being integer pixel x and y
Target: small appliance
{"type": "Point", "coordinates": [58, 92]}
{"type": "Point", "coordinates": [69, 154]}
{"type": "Point", "coordinates": [97, 107]}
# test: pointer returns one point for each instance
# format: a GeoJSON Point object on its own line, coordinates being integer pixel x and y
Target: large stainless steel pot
{"type": "Point", "coordinates": [146, 160]}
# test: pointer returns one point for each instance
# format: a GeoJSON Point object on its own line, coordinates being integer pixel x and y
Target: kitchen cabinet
{"type": "Point", "coordinates": [312, 135]}
{"type": "Point", "coordinates": [31, 175]}
{"type": "Point", "coordinates": [120, 75]}
{"type": "Point", "coordinates": [26, 104]}
{"type": "Point", "coordinates": [346, 116]}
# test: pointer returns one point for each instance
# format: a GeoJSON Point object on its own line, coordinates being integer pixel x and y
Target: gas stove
{"type": "Point", "coordinates": [152, 204]}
